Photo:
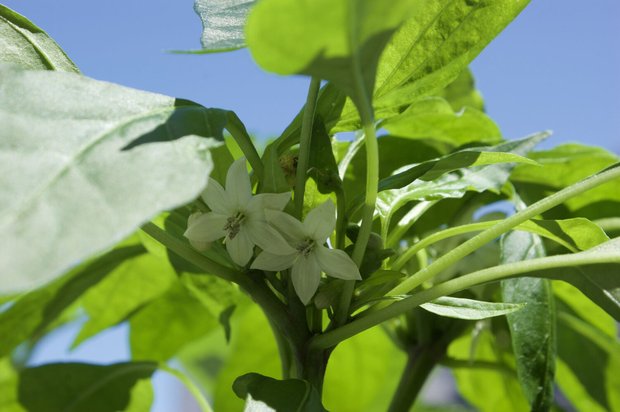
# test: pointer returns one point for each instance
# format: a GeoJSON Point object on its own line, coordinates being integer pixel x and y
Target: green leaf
{"type": "Point", "coordinates": [9, 381]}
{"type": "Point", "coordinates": [85, 152]}
{"type": "Point", "coordinates": [33, 313]}
{"type": "Point", "coordinates": [436, 45]}
{"type": "Point", "coordinates": [354, 364]}
{"type": "Point", "coordinates": [223, 22]}
{"type": "Point", "coordinates": [322, 163]}
{"type": "Point", "coordinates": [122, 292]}
{"type": "Point", "coordinates": [462, 93]}
{"type": "Point", "coordinates": [459, 308]}
{"type": "Point", "coordinates": [342, 46]}
{"type": "Point", "coordinates": [532, 329]}
{"type": "Point", "coordinates": [24, 44]}
{"type": "Point", "coordinates": [563, 166]}
{"type": "Point", "coordinates": [501, 388]}
{"type": "Point", "coordinates": [163, 327]}
{"type": "Point", "coordinates": [434, 118]}
{"type": "Point", "coordinates": [274, 179]}
{"type": "Point", "coordinates": [590, 361]}
{"type": "Point", "coordinates": [66, 387]}
{"type": "Point", "coordinates": [281, 395]}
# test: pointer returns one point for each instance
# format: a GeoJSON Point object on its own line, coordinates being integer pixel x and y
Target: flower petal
{"type": "Point", "coordinates": [273, 263]}
{"type": "Point", "coordinates": [216, 198]}
{"type": "Point", "coordinates": [266, 237]}
{"type": "Point", "coordinates": [320, 221]}
{"type": "Point", "coordinates": [336, 263]}
{"type": "Point", "coordinates": [286, 224]}
{"type": "Point", "coordinates": [274, 201]}
{"type": "Point", "coordinates": [238, 186]}
{"type": "Point", "coordinates": [206, 228]}
{"type": "Point", "coordinates": [306, 275]}
{"type": "Point", "coordinates": [240, 248]}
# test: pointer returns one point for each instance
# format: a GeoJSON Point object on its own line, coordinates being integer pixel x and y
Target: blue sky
{"type": "Point", "coordinates": [556, 67]}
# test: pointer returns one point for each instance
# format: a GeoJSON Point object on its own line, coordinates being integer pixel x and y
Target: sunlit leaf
{"type": "Point", "coordinates": [24, 44]}
{"type": "Point", "coordinates": [470, 309]}
{"type": "Point", "coordinates": [342, 46]}
{"type": "Point", "coordinates": [434, 118]}
{"type": "Point", "coordinates": [223, 22]}
{"type": "Point", "coordinates": [85, 163]}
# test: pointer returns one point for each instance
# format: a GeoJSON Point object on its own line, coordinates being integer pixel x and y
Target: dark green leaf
{"type": "Point", "coordinates": [25, 44]}
{"type": "Point", "coordinates": [342, 46]}
{"type": "Point", "coordinates": [31, 315]}
{"type": "Point", "coordinates": [322, 164]}
{"type": "Point", "coordinates": [223, 22]}
{"type": "Point", "coordinates": [274, 179]}
{"type": "Point", "coordinates": [469, 309]}
{"type": "Point", "coordinates": [281, 395]}
{"type": "Point", "coordinates": [532, 329]}
{"type": "Point", "coordinates": [86, 163]}
{"type": "Point", "coordinates": [73, 387]}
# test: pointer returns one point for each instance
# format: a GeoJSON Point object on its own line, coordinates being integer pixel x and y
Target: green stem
{"type": "Point", "coordinates": [504, 226]}
{"type": "Point", "coordinates": [189, 384]}
{"type": "Point", "coordinates": [192, 256]}
{"type": "Point", "coordinates": [405, 223]}
{"type": "Point", "coordinates": [420, 363]}
{"type": "Point", "coordinates": [305, 139]}
{"type": "Point", "coordinates": [372, 182]}
{"type": "Point", "coordinates": [373, 318]}
{"type": "Point", "coordinates": [241, 136]}
{"type": "Point", "coordinates": [341, 218]}
{"type": "Point", "coordinates": [477, 365]}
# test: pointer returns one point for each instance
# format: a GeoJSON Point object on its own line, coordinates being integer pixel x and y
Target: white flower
{"type": "Point", "coordinates": [238, 217]}
{"type": "Point", "coordinates": [309, 256]}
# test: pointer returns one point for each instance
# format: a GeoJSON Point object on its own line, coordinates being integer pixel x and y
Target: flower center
{"type": "Point", "coordinates": [305, 247]}
{"type": "Point", "coordinates": [233, 225]}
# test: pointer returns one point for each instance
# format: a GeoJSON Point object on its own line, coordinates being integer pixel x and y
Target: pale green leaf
{"type": "Point", "coordinates": [462, 93]}
{"type": "Point", "coordinates": [26, 45]}
{"type": "Point", "coordinates": [9, 381]}
{"type": "Point", "coordinates": [500, 386]}
{"type": "Point", "coordinates": [459, 308]}
{"type": "Point", "coordinates": [131, 285]}
{"type": "Point", "coordinates": [85, 163]}
{"type": "Point", "coordinates": [223, 23]}
{"type": "Point", "coordinates": [164, 326]}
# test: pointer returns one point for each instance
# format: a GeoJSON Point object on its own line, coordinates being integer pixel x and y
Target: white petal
{"type": "Point", "coordinates": [266, 237]}
{"type": "Point", "coordinates": [238, 186]}
{"type": "Point", "coordinates": [274, 263]}
{"type": "Point", "coordinates": [274, 201]}
{"type": "Point", "coordinates": [240, 248]}
{"type": "Point", "coordinates": [206, 228]}
{"type": "Point", "coordinates": [320, 221]}
{"type": "Point", "coordinates": [286, 224]}
{"type": "Point", "coordinates": [216, 198]}
{"type": "Point", "coordinates": [306, 276]}
{"type": "Point", "coordinates": [336, 263]}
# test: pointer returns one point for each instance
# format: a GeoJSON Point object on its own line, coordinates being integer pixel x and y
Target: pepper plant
{"type": "Point", "coordinates": [314, 272]}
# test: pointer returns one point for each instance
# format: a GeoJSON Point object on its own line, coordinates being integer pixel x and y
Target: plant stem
{"type": "Point", "coordinates": [194, 257]}
{"type": "Point", "coordinates": [491, 233]}
{"type": "Point", "coordinates": [189, 384]}
{"type": "Point", "coordinates": [304, 145]}
{"type": "Point", "coordinates": [238, 132]}
{"type": "Point", "coordinates": [372, 188]}
{"type": "Point", "coordinates": [420, 363]}
{"type": "Point", "coordinates": [373, 318]}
